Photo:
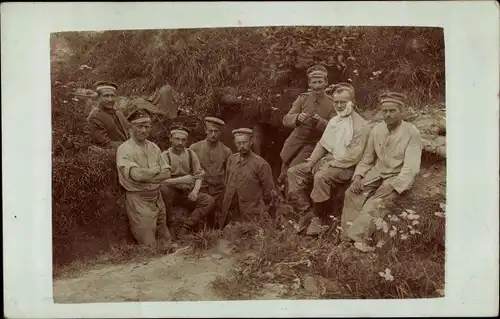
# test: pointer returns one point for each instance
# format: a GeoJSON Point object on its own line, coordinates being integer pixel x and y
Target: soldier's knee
{"type": "Point", "coordinates": [319, 178]}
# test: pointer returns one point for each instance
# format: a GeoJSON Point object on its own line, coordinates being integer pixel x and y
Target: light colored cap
{"type": "Point", "coordinates": [105, 85]}
{"type": "Point", "coordinates": [317, 71]}
{"type": "Point", "coordinates": [179, 130]}
{"type": "Point", "coordinates": [214, 120]}
{"type": "Point", "coordinates": [343, 86]}
{"type": "Point", "coordinates": [242, 131]}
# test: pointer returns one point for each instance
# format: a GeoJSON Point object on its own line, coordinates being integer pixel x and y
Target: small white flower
{"type": "Point", "coordinates": [439, 214]}
{"type": "Point", "coordinates": [239, 97]}
{"type": "Point", "coordinates": [65, 101]}
{"type": "Point", "coordinates": [414, 231]}
{"type": "Point", "coordinates": [415, 222]}
{"type": "Point", "coordinates": [442, 206]}
{"type": "Point", "coordinates": [386, 274]}
{"type": "Point", "coordinates": [403, 214]}
{"type": "Point", "coordinates": [409, 226]}
{"type": "Point", "coordinates": [394, 218]}
{"type": "Point", "coordinates": [404, 237]}
{"type": "Point", "coordinates": [259, 99]}
{"type": "Point", "coordinates": [393, 232]}
{"type": "Point", "coordinates": [278, 95]}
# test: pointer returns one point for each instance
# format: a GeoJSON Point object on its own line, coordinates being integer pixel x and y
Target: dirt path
{"type": "Point", "coordinates": [180, 276]}
{"type": "Point", "coordinates": [172, 277]}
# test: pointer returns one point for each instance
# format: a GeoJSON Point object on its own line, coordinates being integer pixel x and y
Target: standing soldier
{"type": "Point", "coordinates": [249, 182]}
{"type": "Point", "coordinates": [108, 126]}
{"type": "Point", "coordinates": [183, 186]}
{"type": "Point", "coordinates": [213, 156]}
{"type": "Point", "coordinates": [388, 168]}
{"type": "Point", "coordinates": [308, 116]}
{"type": "Point", "coordinates": [141, 169]}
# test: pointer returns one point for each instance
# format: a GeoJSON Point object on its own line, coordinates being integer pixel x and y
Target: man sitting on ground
{"type": "Point", "coordinates": [388, 168]}
{"type": "Point", "coordinates": [331, 163]}
{"type": "Point", "coordinates": [183, 187]}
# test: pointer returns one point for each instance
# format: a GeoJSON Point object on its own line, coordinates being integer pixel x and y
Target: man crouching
{"type": "Point", "coordinates": [141, 169]}
{"type": "Point", "coordinates": [183, 186]}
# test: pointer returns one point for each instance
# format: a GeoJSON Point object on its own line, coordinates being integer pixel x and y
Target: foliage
{"type": "Point", "coordinates": [257, 61]}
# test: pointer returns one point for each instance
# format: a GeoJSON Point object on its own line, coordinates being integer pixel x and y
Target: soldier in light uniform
{"type": "Point", "coordinates": [389, 165]}
{"type": "Point", "coordinates": [249, 182]}
{"type": "Point", "coordinates": [308, 116]}
{"type": "Point", "coordinates": [213, 155]}
{"type": "Point", "coordinates": [108, 126]}
{"type": "Point", "coordinates": [141, 170]}
{"type": "Point", "coordinates": [332, 162]}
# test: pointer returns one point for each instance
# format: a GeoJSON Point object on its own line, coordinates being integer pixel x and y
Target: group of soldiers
{"type": "Point", "coordinates": [330, 145]}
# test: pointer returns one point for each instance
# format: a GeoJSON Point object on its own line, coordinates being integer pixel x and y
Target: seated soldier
{"type": "Point", "coordinates": [108, 126]}
{"type": "Point", "coordinates": [388, 168]}
{"type": "Point", "coordinates": [183, 187]}
{"type": "Point", "coordinates": [213, 155]}
{"type": "Point", "coordinates": [249, 183]}
{"type": "Point", "coordinates": [332, 162]}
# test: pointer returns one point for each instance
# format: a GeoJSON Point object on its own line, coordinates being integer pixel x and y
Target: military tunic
{"type": "Point", "coordinates": [108, 127]}
{"type": "Point", "coordinates": [213, 161]}
{"type": "Point", "coordinates": [248, 182]}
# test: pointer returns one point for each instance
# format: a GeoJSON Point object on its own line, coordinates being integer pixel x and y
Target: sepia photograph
{"type": "Point", "coordinates": [249, 163]}
{"type": "Point", "coordinates": [250, 159]}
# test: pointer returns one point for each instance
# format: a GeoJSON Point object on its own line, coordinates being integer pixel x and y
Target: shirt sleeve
{"type": "Point", "coordinates": [124, 162]}
{"type": "Point", "coordinates": [411, 165]}
{"type": "Point", "coordinates": [290, 119]}
{"type": "Point", "coordinates": [368, 158]}
{"type": "Point", "coordinates": [98, 132]}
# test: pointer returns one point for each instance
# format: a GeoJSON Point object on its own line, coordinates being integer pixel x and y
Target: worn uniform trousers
{"type": "Point", "coordinates": [147, 216]}
{"type": "Point", "coordinates": [362, 209]}
{"type": "Point", "coordinates": [324, 178]}
{"type": "Point", "coordinates": [174, 197]}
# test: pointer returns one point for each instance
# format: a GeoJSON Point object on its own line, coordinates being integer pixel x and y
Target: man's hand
{"type": "Point", "coordinates": [316, 117]}
{"type": "Point", "coordinates": [193, 196]}
{"type": "Point", "coordinates": [357, 185]}
{"type": "Point", "coordinates": [303, 117]}
{"type": "Point", "coordinates": [309, 165]}
{"type": "Point", "coordinates": [155, 170]}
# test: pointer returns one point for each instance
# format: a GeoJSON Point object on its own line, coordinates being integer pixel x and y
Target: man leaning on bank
{"type": "Point", "coordinates": [108, 126]}
{"type": "Point", "coordinates": [389, 165]}
{"type": "Point", "coordinates": [331, 163]}
{"type": "Point", "coordinates": [308, 116]}
{"type": "Point", "coordinates": [141, 169]}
